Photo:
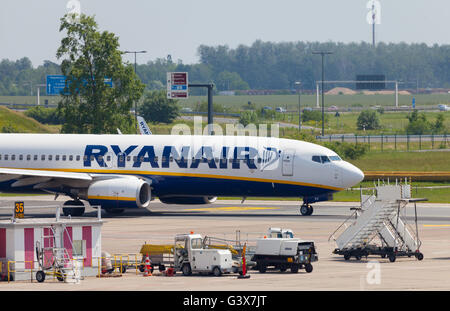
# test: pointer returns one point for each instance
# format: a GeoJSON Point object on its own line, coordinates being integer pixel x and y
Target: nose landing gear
{"type": "Point", "coordinates": [306, 210]}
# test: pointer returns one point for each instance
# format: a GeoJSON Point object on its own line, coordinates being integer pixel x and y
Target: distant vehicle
{"type": "Point", "coordinates": [307, 109]}
{"type": "Point", "coordinates": [267, 108]}
{"type": "Point", "coordinates": [333, 108]}
{"type": "Point", "coordinates": [444, 108]}
{"type": "Point", "coordinates": [280, 109]}
{"type": "Point", "coordinates": [186, 109]}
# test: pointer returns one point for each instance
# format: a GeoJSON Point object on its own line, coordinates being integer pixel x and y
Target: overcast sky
{"type": "Point", "coordinates": [31, 27]}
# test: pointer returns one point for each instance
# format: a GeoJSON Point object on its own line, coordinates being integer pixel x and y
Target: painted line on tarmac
{"type": "Point", "coordinates": [232, 208]}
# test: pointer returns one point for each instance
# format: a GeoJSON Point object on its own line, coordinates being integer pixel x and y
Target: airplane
{"type": "Point", "coordinates": [118, 172]}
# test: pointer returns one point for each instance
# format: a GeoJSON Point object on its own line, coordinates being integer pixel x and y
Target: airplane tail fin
{"type": "Point", "coordinates": [143, 127]}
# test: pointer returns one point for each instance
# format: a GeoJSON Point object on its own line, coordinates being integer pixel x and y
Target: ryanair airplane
{"type": "Point", "coordinates": [128, 171]}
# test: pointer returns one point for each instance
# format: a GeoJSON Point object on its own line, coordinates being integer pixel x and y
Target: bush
{"type": "Point", "coordinates": [158, 108]}
{"type": "Point", "coordinates": [368, 120]}
{"type": "Point", "coordinates": [248, 117]}
{"type": "Point", "coordinates": [45, 115]}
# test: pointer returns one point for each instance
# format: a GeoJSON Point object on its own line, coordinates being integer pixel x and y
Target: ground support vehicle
{"type": "Point", "coordinates": [284, 253]}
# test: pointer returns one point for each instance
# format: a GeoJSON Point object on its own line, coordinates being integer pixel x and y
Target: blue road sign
{"type": "Point", "coordinates": [414, 102]}
{"type": "Point", "coordinates": [55, 84]}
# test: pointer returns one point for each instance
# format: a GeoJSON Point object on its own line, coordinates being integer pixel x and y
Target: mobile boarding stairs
{"type": "Point", "coordinates": [379, 226]}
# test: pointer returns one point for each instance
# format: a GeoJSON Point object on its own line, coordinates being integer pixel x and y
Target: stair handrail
{"type": "Point", "coordinates": [345, 221]}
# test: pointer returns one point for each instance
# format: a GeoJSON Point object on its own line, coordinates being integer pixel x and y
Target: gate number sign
{"type": "Point", "coordinates": [19, 210]}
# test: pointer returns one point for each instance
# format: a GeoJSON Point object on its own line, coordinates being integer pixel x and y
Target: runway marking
{"type": "Point", "coordinates": [232, 208]}
{"type": "Point", "coordinates": [436, 225]}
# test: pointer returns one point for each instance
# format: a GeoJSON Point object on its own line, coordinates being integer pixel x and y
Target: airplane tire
{"type": "Point", "coordinates": [304, 210]}
{"type": "Point", "coordinates": [76, 212]}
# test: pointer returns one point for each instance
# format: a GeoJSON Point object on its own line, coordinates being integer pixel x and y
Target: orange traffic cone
{"type": "Point", "coordinates": [148, 267]}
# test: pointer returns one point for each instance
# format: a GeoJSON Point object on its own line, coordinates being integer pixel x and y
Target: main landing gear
{"type": "Point", "coordinates": [74, 208]}
{"type": "Point", "coordinates": [306, 210]}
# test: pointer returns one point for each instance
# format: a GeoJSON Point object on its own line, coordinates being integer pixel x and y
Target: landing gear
{"type": "Point", "coordinates": [306, 210]}
{"type": "Point", "coordinates": [71, 208]}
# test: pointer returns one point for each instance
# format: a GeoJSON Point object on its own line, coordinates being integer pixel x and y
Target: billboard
{"type": "Point", "coordinates": [370, 82]}
{"type": "Point", "coordinates": [177, 85]}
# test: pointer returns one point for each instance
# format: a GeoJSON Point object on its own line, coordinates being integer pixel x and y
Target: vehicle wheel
{"type": "Point", "coordinates": [217, 272]}
{"type": "Point", "coordinates": [142, 268]}
{"type": "Point", "coordinates": [73, 211]}
{"type": "Point", "coordinates": [40, 276]}
{"type": "Point", "coordinates": [162, 268]}
{"type": "Point", "coordinates": [347, 256]}
{"type": "Point", "coordinates": [383, 256]}
{"type": "Point", "coordinates": [186, 269]}
{"type": "Point", "coordinates": [124, 269]}
{"type": "Point", "coordinates": [283, 268]}
{"type": "Point", "coordinates": [262, 269]}
{"type": "Point", "coordinates": [358, 257]}
{"type": "Point", "coordinates": [419, 256]}
{"type": "Point", "coordinates": [304, 210]}
{"type": "Point", "coordinates": [294, 269]}
{"type": "Point", "coordinates": [392, 258]}
{"type": "Point", "coordinates": [308, 268]}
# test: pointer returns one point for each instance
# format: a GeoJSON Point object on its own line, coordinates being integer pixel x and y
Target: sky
{"type": "Point", "coordinates": [30, 28]}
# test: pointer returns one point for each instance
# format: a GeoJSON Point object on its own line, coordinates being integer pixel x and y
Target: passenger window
{"type": "Point", "coordinates": [316, 159]}
{"type": "Point", "coordinates": [78, 158]}
{"type": "Point", "coordinates": [50, 157]}
{"type": "Point", "coordinates": [6, 157]}
{"type": "Point", "coordinates": [197, 243]}
{"type": "Point", "coordinates": [28, 158]}
{"type": "Point", "coordinates": [57, 158]}
{"type": "Point", "coordinates": [13, 157]}
{"type": "Point", "coordinates": [35, 157]}
{"type": "Point", "coordinates": [0, 157]}
{"type": "Point", "coordinates": [64, 158]}
{"type": "Point", "coordinates": [20, 157]}
{"type": "Point", "coordinates": [71, 158]}
{"type": "Point", "coordinates": [325, 159]}
{"type": "Point", "coordinates": [43, 157]}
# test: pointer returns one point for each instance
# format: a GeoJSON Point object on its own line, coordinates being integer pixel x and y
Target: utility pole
{"type": "Point", "coordinates": [135, 68]}
{"type": "Point", "coordinates": [323, 53]}
{"type": "Point", "coordinates": [298, 83]}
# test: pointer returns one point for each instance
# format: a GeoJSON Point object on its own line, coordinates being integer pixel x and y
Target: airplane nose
{"type": "Point", "coordinates": [352, 175]}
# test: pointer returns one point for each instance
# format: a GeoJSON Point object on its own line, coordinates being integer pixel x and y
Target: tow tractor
{"type": "Point", "coordinates": [282, 251]}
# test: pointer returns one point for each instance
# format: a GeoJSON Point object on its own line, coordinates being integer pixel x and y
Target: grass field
{"type": "Point", "coordinates": [11, 121]}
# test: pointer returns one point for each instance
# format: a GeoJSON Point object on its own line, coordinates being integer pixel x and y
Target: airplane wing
{"type": "Point", "coordinates": [41, 179]}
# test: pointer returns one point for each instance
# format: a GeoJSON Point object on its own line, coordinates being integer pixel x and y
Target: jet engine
{"type": "Point", "coordinates": [123, 192]}
{"type": "Point", "coordinates": [187, 200]}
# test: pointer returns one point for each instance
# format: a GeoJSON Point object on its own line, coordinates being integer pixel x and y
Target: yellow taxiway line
{"type": "Point", "coordinates": [436, 225]}
{"type": "Point", "coordinates": [231, 208]}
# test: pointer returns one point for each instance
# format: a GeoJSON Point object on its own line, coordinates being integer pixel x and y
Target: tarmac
{"type": "Point", "coordinates": [126, 233]}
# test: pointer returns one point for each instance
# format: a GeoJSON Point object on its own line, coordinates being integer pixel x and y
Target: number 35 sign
{"type": "Point", "coordinates": [19, 210]}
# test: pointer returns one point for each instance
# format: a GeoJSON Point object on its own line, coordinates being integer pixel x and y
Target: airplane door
{"type": "Point", "coordinates": [288, 162]}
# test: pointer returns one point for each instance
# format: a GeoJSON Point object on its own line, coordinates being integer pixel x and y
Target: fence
{"type": "Point", "coordinates": [392, 142]}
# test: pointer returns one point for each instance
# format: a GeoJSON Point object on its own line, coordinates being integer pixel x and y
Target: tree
{"type": "Point", "coordinates": [439, 125]}
{"type": "Point", "coordinates": [368, 120]}
{"type": "Point", "coordinates": [418, 123]}
{"type": "Point", "coordinates": [158, 108]}
{"type": "Point", "coordinates": [88, 104]}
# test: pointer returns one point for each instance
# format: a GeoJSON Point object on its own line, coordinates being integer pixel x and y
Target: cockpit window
{"type": "Point", "coordinates": [335, 158]}
{"type": "Point", "coordinates": [325, 159]}
{"type": "Point", "coordinates": [317, 159]}
{"type": "Point", "coordinates": [322, 159]}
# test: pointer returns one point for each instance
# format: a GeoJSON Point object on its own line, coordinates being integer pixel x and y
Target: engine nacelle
{"type": "Point", "coordinates": [188, 200]}
{"type": "Point", "coordinates": [127, 192]}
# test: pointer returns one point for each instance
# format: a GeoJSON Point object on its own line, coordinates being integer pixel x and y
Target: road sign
{"type": "Point", "coordinates": [177, 85]}
{"type": "Point", "coordinates": [55, 84]}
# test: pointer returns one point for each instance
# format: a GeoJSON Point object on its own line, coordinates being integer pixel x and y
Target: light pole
{"type": "Point", "coordinates": [323, 53]}
{"type": "Point", "coordinates": [135, 103]}
{"type": "Point", "coordinates": [299, 111]}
